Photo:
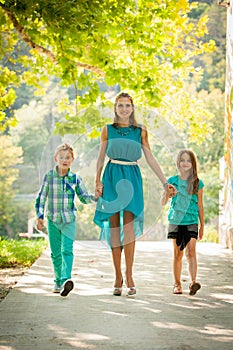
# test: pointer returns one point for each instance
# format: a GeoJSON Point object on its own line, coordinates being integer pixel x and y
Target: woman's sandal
{"type": "Point", "coordinates": [118, 290]}
{"type": "Point", "coordinates": [177, 289]}
{"type": "Point", "coordinates": [194, 287]}
{"type": "Point", "coordinates": [131, 291]}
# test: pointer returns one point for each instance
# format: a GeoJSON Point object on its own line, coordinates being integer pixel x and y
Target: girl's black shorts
{"type": "Point", "coordinates": [191, 229]}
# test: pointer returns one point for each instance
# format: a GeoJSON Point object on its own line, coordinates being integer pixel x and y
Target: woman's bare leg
{"type": "Point", "coordinates": [129, 247]}
{"type": "Point", "coordinates": [116, 248]}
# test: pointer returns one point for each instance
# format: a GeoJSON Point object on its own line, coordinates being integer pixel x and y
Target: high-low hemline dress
{"type": "Point", "coordinates": [123, 188]}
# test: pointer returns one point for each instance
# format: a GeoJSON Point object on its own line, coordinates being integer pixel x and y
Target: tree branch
{"type": "Point", "coordinates": [25, 37]}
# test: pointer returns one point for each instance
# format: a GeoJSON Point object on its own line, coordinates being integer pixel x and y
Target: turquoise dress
{"type": "Point", "coordinates": [123, 189]}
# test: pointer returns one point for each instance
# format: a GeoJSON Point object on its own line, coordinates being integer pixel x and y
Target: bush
{"type": "Point", "coordinates": [21, 252]}
{"type": "Point", "coordinates": [19, 219]}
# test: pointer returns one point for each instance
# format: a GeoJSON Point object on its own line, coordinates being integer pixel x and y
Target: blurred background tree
{"type": "Point", "coordinates": [10, 157]}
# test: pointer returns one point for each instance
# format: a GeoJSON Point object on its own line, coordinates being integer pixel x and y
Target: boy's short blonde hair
{"type": "Point", "coordinates": [64, 147]}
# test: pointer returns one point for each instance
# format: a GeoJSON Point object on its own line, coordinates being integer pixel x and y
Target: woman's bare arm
{"type": "Point", "coordinates": [100, 159]}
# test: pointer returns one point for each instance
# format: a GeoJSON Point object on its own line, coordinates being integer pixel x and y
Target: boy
{"type": "Point", "coordinates": [58, 189]}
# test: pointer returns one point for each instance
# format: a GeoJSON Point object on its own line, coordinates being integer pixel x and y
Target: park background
{"type": "Point", "coordinates": [62, 65]}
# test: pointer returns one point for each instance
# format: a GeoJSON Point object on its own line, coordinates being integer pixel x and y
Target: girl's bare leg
{"type": "Point", "coordinates": [190, 252]}
{"type": "Point", "coordinates": [129, 247]}
{"type": "Point", "coordinates": [116, 248]}
{"type": "Point", "coordinates": [177, 262]}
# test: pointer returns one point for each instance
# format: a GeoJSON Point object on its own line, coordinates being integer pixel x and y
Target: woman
{"type": "Point", "coordinates": [120, 210]}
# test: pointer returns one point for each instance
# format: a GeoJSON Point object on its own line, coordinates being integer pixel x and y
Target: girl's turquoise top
{"type": "Point", "coordinates": [184, 206]}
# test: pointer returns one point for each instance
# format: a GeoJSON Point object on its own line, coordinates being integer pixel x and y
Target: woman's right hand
{"type": "Point", "coordinates": [99, 189]}
{"type": "Point", "coordinates": [40, 224]}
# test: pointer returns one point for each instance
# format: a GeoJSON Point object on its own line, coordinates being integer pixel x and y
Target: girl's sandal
{"type": "Point", "coordinates": [194, 287]}
{"type": "Point", "coordinates": [177, 289]}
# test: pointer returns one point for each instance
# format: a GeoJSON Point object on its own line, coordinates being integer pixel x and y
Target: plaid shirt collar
{"type": "Point", "coordinates": [56, 174]}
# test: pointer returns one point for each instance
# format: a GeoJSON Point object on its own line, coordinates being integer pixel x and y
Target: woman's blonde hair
{"type": "Point", "coordinates": [64, 147]}
{"type": "Point", "coordinates": [193, 180]}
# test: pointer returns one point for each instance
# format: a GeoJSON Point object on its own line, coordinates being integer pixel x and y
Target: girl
{"type": "Point", "coordinates": [185, 209]}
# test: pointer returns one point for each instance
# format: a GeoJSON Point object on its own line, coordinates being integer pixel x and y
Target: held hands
{"type": "Point", "coordinates": [40, 224]}
{"type": "Point", "coordinates": [99, 189]}
{"type": "Point", "coordinates": [171, 191]}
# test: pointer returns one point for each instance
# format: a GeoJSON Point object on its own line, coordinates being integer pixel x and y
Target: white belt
{"type": "Point", "coordinates": [122, 162]}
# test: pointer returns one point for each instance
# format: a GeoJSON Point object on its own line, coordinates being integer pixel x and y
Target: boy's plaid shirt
{"type": "Point", "coordinates": [59, 192]}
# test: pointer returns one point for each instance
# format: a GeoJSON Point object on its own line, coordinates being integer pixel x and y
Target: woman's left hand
{"type": "Point", "coordinates": [171, 190]}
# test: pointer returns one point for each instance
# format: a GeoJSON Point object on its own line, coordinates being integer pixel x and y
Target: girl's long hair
{"type": "Point", "coordinates": [132, 120]}
{"type": "Point", "coordinates": [193, 180]}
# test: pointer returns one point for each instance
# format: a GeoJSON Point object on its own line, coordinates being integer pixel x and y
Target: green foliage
{"type": "Point", "coordinates": [10, 156]}
{"type": "Point", "coordinates": [145, 47]}
{"type": "Point", "coordinates": [21, 210]}
{"type": "Point", "coordinates": [210, 149]}
{"type": "Point", "coordinates": [211, 192]}
{"type": "Point", "coordinates": [210, 234]}
{"type": "Point", "coordinates": [35, 128]}
{"type": "Point", "coordinates": [24, 94]}
{"type": "Point", "coordinates": [57, 69]}
{"type": "Point", "coordinates": [188, 113]}
{"type": "Point", "coordinates": [213, 64]}
{"type": "Point", "coordinates": [20, 252]}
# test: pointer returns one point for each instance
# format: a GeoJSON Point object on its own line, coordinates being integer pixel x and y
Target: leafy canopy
{"type": "Point", "coordinates": [146, 47]}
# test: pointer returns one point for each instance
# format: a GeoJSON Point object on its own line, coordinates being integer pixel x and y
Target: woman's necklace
{"type": "Point", "coordinates": [127, 131]}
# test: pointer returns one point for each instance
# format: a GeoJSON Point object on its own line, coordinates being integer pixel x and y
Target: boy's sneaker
{"type": "Point", "coordinates": [56, 288]}
{"type": "Point", "coordinates": [66, 288]}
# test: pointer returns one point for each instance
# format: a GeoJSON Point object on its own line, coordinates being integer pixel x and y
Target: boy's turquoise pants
{"type": "Point", "coordinates": [61, 239]}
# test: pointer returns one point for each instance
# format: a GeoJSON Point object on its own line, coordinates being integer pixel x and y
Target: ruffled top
{"type": "Point", "coordinates": [184, 206]}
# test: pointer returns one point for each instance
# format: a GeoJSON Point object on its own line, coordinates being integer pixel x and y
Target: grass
{"type": "Point", "coordinates": [20, 253]}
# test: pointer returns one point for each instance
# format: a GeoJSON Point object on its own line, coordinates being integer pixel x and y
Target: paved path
{"type": "Point", "coordinates": [31, 317]}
